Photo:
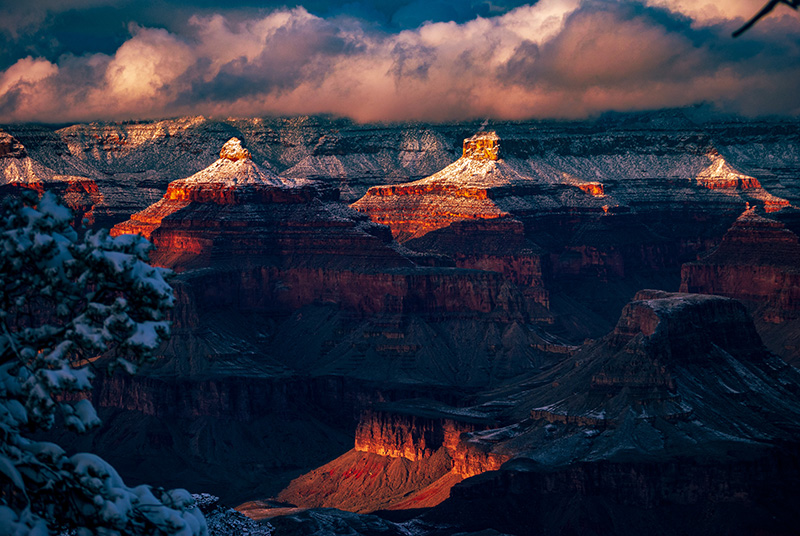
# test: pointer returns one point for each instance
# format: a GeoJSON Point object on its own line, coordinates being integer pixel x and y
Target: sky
{"type": "Point", "coordinates": [394, 60]}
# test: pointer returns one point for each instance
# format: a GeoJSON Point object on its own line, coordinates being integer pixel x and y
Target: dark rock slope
{"type": "Point", "coordinates": [679, 412]}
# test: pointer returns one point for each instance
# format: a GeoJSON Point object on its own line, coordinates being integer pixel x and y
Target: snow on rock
{"type": "Point", "coordinates": [233, 179]}
{"type": "Point", "coordinates": [482, 184]}
{"type": "Point", "coordinates": [235, 167]}
{"type": "Point", "coordinates": [225, 521]}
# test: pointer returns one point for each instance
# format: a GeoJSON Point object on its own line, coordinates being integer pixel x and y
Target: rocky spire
{"type": "Point", "coordinates": [482, 146]}
{"type": "Point", "coordinates": [233, 150]}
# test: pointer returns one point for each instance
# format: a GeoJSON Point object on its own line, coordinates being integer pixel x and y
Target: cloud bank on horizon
{"type": "Point", "coordinates": [85, 60]}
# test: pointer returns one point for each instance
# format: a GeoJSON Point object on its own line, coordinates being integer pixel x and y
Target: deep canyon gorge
{"type": "Point", "coordinates": [542, 327]}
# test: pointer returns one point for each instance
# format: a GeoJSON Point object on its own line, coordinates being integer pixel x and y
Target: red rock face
{"type": "Point", "coordinates": [757, 261]}
{"type": "Point", "coordinates": [482, 146]}
{"type": "Point", "coordinates": [179, 194]}
{"type": "Point", "coordinates": [233, 180]}
{"type": "Point", "coordinates": [233, 150]}
{"type": "Point", "coordinates": [400, 461]}
{"type": "Point", "coordinates": [81, 195]}
{"type": "Point", "coordinates": [416, 210]}
{"type": "Point", "coordinates": [495, 245]}
{"type": "Point", "coordinates": [404, 435]}
{"type": "Point", "coordinates": [419, 290]}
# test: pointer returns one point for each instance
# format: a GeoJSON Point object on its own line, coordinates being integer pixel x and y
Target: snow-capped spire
{"type": "Point", "coordinates": [233, 150]}
{"type": "Point", "coordinates": [235, 168]}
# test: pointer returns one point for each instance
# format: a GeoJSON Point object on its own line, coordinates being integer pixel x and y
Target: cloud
{"type": "Point", "coordinates": [557, 58]}
{"type": "Point", "coordinates": [705, 12]}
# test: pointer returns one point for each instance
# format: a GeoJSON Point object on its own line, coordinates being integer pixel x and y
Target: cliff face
{"type": "Point", "coordinates": [404, 457]}
{"type": "Point", "coordinates": [133, 162]}
{"type": "Point", "coordinates": [540, 216]}
{"type": "Point", "coordinates": [430, 291]}
{"type": "Point", "coordinates": [414, 437]}
{"type": "Point", "coordinates": [679, 407]}
{"type": "Point", "coordinates": [247, 241]}
{"type": "Point", "coordinates": [756, 261]}
{"type": "Point", "coordinates": [679, 497]}
{"type": "Point", "coordinates": [489, 182]}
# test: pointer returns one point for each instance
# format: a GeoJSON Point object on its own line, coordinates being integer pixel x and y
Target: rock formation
{"type": "Point", "coordinates": [19, 170]}
{"type": "Point", "coordinates": [680, 408]}
{"type": "Point", "coordinates": [233, 179]}
{"type": "Point", "coordinates": [248, 240]}
{"type": "Point", "coordinates": [758, 262]}
{"type": "Point", "coordinates": [481, 185]}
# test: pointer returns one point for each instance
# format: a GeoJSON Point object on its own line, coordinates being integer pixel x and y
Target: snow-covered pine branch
{"type": "Point", "coordinates": [65, 300]}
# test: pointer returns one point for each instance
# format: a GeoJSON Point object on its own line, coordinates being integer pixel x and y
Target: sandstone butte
{"type": "Point", "coordinates": [233, 179]}
{"type": "Point", "coordinates": [19, 170]}
{"type": "Point", "coordinates": [283, 244]}
{"type": "Point", "coordinates": [486, 184]}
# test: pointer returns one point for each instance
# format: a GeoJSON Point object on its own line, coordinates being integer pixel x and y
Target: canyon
{"type": "Point", "coordinates": [443, 325]}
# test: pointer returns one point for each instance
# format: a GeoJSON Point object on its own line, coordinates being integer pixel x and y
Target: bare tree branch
{"type": "Point", "coordinates": [764, 12]}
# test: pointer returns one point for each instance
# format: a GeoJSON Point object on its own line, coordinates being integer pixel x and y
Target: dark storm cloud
{"type": "Point", "coordinates": [102, 21]}
{"type": "Point", "coordinates": [292, 54]}
{"type": "Point", "coordinates": [375, 60]}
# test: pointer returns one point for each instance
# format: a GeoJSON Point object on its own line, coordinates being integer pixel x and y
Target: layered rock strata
{"type": "Point", "coordinates": [758, 261]}
{"type": "Point", "coordinates": [481, 185]}
{"type": "Point", "coordinates": [543, 218]}
{"type": "Point", "coordinates": [680, 408]}
{"type": "Point", "coordinates": [249, 242]}
{"type": "Point", "coordinates": [406, 456]}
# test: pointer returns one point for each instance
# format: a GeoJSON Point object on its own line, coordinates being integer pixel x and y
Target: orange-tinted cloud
{"type": "Point", "coordinates": [557, 58]}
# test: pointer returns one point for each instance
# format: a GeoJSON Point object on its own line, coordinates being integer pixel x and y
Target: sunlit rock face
{"type": "Point", "coordinates": [417, 432]}
{"type": "Point", "coordinates": [233, 151]}
{"type": "Point", "coordinates": [758, 260]}
{"type": "Point", "coordinates": [406, 456]}
{"type": "Point", "coordinates": [404, 434]}
{"type": "Point", "coordinates": [257, 244]}
{"type": "Point", "coordinates": [482, 146]}
{"type": "Point", "coordinates": [720, 175]}
{"type": "Point", "coordinates": [481, 185]}
{"type": "Point", "coordinates": [233, 179]}
{"type": "Point", "coordinates": [584, 207]}
{"type": "Point", "coordinates": [681, 375]}
{"type": "Point", "coordinates": [490, 182]}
